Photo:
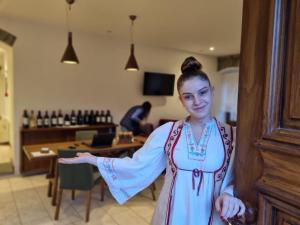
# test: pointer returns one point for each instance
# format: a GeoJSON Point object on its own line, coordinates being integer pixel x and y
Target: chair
{"type": "Point", "coordinates": [75, 177]}
{"type": "Point", "coordinates": [81, 135]}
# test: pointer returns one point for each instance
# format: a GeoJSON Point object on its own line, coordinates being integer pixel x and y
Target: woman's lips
{"type": "Point", "coordinates": [200, 108]}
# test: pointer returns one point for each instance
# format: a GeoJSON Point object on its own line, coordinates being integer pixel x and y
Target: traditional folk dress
{"type": "Point", "coordinates": [196, 173]}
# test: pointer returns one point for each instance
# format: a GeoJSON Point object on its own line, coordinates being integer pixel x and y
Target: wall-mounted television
{"type": "Point", "coordinates": [158, 84]}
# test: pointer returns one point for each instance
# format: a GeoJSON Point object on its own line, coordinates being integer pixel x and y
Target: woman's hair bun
{"type": "Point", "coordinates": [190, 64]}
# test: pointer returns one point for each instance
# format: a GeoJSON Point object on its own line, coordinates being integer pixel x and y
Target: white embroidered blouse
{"type": "Point", "coordinates": [192, 193]}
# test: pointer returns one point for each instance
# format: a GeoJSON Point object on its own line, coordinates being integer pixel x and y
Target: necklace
{"type": "Point", "coordinates": [197, 151]}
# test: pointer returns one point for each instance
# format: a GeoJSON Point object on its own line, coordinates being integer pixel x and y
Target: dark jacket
{"type": "Point", "coordinates": [132, 123]}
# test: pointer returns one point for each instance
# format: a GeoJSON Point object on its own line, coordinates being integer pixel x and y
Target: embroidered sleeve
{"type": "Point", "coordinates": [127, 176]}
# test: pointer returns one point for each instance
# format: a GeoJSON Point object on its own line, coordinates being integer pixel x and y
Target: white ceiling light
{"type": "Point", "coordinates": [212, 48]}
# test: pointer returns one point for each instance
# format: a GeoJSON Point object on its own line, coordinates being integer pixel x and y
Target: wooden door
{"type": "Point", "coordinates": [268, 134]}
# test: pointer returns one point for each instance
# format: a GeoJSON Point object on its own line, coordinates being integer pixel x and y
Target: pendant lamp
{"type": "Point", "coordinates": [132, 63]}
{"type": "Point", "coordinates": [69, 57]}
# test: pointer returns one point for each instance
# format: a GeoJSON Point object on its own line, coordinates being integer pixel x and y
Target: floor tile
{"type": "Point", "coordinates": [40, 221]}
{"type": "Point", "coordinates": [32, 212]}
{"type": "Point", "coordinates": [24, 201]}
{"type": "Point", "coordinates": [128, 217]}
{"type": "Point", "coordinates": [9, 214]}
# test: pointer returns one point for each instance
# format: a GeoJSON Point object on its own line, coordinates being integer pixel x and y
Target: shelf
{"type": "Point", "coordinates": [75, 127]}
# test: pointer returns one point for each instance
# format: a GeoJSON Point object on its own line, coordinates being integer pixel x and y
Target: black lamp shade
{"type": "Point", "coordinates": [69, 56]}
{"type": "Point", "coordinates": [132, 64]}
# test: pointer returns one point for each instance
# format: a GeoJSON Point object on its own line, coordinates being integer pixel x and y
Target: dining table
{"type": "Point", "coordinates": [48, 151]}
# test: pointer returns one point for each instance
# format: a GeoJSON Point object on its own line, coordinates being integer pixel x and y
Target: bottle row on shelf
{"type": "Point", "coordinates": [59, 119]}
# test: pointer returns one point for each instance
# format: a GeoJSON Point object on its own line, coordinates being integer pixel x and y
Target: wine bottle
{"type": "Point", "coordinates": [97, 116]}
{"type": "Point", "coordinates": [39, 119]}
{"type": "Point", "coordinates": [32, 120]}
{"type": "Point", "coordinates": [46, 120]}
{"type": "Point", "coordinates": [102, 117]}
{"type": "Point", "coordinates": [86, 117]}
{"type": "Point", "coordinates": [60, 118]}
{"type": "Point", "coordinates": [92, 118]}
{"type": "Point", "coordinates": [53, 119]}
{"type": "Point", "coordinates": [108, 117]}
{"type": "Point", "coordinates": [67, 120]}
{"type": "Point", "coordinates": [79, 118]}
{"type": "Point", "coordinates": [25, 121]}
{"type": "Point", "coordinates": [73, 118]}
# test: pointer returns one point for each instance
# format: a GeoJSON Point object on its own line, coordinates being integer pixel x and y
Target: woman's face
{"type": "Point", "coordinates": [197, 97]}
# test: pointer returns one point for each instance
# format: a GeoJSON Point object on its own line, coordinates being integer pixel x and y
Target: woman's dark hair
{"type": "Point", "coordinates": [147, 107]}
{"type": "Point", "coordinates": [191, 68]}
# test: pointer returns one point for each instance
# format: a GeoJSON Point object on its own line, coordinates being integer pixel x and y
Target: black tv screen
{"type": "Point", "coordinates": [158, 84]}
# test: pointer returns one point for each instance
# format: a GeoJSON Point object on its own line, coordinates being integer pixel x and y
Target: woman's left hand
{"type": "Point", "coordinates": [228, 206]}
{"type": "Point", "coordinates": [81, 157]}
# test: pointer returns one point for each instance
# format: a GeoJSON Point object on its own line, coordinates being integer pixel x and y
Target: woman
{"type": "Point", "coordinates": [197, 153]}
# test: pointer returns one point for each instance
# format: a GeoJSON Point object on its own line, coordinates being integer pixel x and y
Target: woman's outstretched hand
{"type": "Point", "coordinates": [81, 157]}
{"type": "Point", "coordinates": [229, 206]}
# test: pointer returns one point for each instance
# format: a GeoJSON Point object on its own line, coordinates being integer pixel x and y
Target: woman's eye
{"type": "Point", "coordinates": [187, 97]}
{"type": "Point", "coordinates": [203, 92]}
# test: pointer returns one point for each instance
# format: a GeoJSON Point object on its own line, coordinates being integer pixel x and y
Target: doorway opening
{"type": "Point", "coordinates": [6, 111]}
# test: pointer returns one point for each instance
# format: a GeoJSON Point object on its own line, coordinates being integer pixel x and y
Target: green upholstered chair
{"type": "Point", "coordinates": [81, 135]}
{"type": "Point", "coordinates": [76, 177]}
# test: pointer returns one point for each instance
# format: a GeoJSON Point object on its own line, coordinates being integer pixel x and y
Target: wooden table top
{"type": "Point", "coordinates": [79, 145]}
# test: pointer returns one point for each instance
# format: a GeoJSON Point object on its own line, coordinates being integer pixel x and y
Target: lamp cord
{"type": "Point", "coordinates": [131, 31]}
{"type": "Point", "coordinates": [68, 8]}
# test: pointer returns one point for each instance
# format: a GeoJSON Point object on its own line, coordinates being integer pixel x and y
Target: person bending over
{"type": "Point", "coordinates": [134, 119]}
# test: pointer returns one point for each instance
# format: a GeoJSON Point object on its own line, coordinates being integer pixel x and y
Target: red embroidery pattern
{"type": "Point", "coordinates": [219, 175]}
{"type": "Point", "coordinates": [228, 146]}
{"type": "Point", "coordinates": [171, 142]}
{"type": "Point", "coordinates": [169, 149]}
{"type": "Point", "coordinates": [108, 166]}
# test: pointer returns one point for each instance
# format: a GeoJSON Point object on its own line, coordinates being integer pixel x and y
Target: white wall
{"type": "Point", "coordinates": [98, 82]}
{"type": "Point", "coordinates": [228, 93]}
{"type": "Point", "coordinates": [2, 80]}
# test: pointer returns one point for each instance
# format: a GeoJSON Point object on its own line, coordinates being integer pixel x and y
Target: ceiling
{"type": "Point", "coordinates": [190, 25]}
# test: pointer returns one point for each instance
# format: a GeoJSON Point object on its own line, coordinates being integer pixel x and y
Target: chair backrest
{"type": "Point", "coordinates": [74, 176]}
{"type": "Point", "coordinates": [85, 135]}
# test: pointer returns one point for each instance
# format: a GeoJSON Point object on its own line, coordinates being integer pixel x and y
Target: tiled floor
{"type": "Point", "coordinates": [23, 201]}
